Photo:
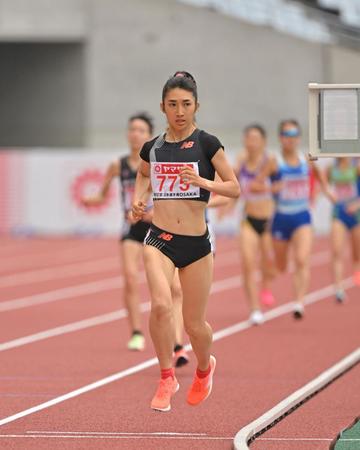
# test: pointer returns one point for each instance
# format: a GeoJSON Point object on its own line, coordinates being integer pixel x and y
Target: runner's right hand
{"type": "Point", "coordinates": [131, 219]}
{"type": "Point", "coordinates": [138, 210]}
{"type": "Point", "coordinates": [92, 201]}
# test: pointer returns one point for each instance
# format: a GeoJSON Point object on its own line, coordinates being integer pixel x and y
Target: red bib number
{"type": "Point", "coordinates": [345, 191]}
{"type": "Point", "coordinates": [166, 181]}
{"type": "Point", "coordinates": [298, 189]}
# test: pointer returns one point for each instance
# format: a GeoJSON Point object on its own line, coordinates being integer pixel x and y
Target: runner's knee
{"type": "Point", "coordinates": [194, 327]}
{"type": "Point", "coordinates": [301, 262]}
{"type": "Point", "coordinates": [176, 293]}
{"type": "Point", "coordinates": [161, 308]}
{"type": "Point", "coordinates": [131, 279]}
{"type": "Point", "coordinates": [281, 265]}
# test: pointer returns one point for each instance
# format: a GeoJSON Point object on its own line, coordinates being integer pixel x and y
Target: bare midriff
{"type": "Point", "coordinates": [260, 209]}
{"type": "Point", "coordinates": [185, 217]}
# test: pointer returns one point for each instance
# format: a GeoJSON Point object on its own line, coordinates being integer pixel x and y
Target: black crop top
{"type": "Point", "coordinates": [167, 158]}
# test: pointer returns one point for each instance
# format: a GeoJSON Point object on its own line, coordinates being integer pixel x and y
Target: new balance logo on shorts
{"type": "Point", "coordinates": [165, 236]}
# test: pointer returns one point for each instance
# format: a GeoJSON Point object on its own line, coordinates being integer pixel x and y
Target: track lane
{"type": "Point", "coordinates": [254, 345]}
{"type": "Point", "coordinates": [221, 313]}
{"type": "Point", "coordinates": [259, 379]}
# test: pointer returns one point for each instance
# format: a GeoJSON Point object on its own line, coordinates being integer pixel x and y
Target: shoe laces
{"type": "Point", "coordinates": [198, 384]}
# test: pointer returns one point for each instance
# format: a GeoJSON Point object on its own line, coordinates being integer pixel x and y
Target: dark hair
{"type": "Point", "coordinates": [257, 127]}
{"type": "Point", "coordinates": [182, 80]}
{"type": "Point", "coordinates": [145, 117]}
{"type": "Point", "coordinates": [292, 122]}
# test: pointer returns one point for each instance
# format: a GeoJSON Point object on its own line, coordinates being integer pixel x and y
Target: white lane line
{"type": "Point", "coordinates": [70, 328]}
{"type": "Point", "coordinates": [119, 433]}
{"type": "Point", "coordinates": [67, 436]}
{"type": "Point", "coordinates": [217, 286]}
{"type": "Point", "coordinates": [245, 434]}
{"type": "Point", "coordinates": [20, 262]}
{"type": "Point", "coordinates": [59, 272]}
{"type": "Point", "coordinates": [93, 287]}
{"type": "Point", "coordinates": [40, 254]}
{"type": "Point", "coordinates": [79, 268]}
{"type": "Point", "coordinates": [103, 286]}
{"type": "Point", "coordinates": [304, 439]}
{"type": "Point", "coordinates": [313, 297]}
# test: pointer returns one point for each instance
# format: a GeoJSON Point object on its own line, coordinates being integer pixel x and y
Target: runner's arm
{"type": "Point", "coordinates": [228, 186]}
{"type": "Point", "coordinates": [269, 169]}
{"type": "Point", "coordinates": [322, 178]}
{"type": "Point", "coordinates": [112, 171]}
{"type": "Point", "coordinates": [217, 201]}
{"type": "Point", "coordinates": [142, 191]}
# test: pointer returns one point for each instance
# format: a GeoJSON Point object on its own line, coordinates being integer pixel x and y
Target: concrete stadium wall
{"type": "Point", "coordinates": [343, 65]}
{"type": "Point", "coordinates": [54, 20]}
{"type": "Point", "coordinates": [128, 48]}
{"type": "Point", "coordinates": [244, 72]}
{"type": "Point", "coordinates": [42, 95]}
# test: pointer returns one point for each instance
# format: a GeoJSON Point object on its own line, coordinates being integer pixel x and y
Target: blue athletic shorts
{"type": "Point", "coordinates": [349, 220]}
{"type": "Point", "coordinates": [284, 225]}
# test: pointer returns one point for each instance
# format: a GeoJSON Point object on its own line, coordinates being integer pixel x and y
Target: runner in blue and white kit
{"type": "Point", "coordinates": [291, 224]}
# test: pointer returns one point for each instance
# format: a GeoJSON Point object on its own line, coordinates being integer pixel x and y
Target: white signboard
{"type": "Point", "coordinates": [340, 115]}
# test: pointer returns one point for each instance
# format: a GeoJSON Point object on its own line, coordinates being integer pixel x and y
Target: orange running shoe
{"type": "Point", "coordinates": [201, 387]}
{"type": "Point", "coordinates": [166, 389]}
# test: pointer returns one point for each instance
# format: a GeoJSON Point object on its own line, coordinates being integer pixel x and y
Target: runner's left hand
{"type": "Point", "coordinates": [189, 176]}
{"type": "Point", "coordinates": [352, 207]}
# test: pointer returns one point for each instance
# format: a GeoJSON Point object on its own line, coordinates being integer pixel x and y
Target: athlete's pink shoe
{"type": "Point", "coordinates": [166, 389]}
{"type": "Point", "coordinates": [357, 278]}
{"type": "Point", "coordinates": [267, 297]}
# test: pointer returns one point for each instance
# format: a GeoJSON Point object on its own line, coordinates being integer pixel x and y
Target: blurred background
{"type": "Point", "coordinates": [73, 71]}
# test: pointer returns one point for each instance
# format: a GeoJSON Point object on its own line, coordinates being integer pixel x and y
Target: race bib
{"type": "Point", "coordinates": [166, 181]}
{"type": "Point", "coordinates": [345, 191]}
{"type": "Point", "coordinates": [298, 189]}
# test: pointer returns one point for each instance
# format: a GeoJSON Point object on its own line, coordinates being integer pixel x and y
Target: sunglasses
{"type": "Point", "coordinates": [291, 132]}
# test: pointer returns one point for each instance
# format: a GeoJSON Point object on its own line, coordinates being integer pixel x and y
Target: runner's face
{"type": "Point", "coordinates": [254, 141]}
{"type": "Point", "coordinates": [138, 133]}
{"type": "Point", "coordinates": [179, 107]}
{"type": "Point", "coordinates": [290, 143]}
{"type": "Point", "coordinates": [345, 162]}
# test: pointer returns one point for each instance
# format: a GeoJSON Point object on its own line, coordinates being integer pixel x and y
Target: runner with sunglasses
{"type": "Point", "coordinates": [291, 224]}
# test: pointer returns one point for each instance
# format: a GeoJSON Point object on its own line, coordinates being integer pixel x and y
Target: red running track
{"type": "Point", "coordinates": [257, 367]}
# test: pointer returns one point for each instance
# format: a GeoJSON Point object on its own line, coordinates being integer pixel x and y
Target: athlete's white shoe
{"type": "Point", "coordinates": [256, 317]}
{"type": "Point", "coordinates": [298, 310]}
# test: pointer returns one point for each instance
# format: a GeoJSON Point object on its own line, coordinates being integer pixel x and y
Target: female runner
{"type": "Point", "coordinates": [344, 175]}
{"type": "Point", "coordinates": [140, 129]}
{"type": "Point", "coordinates": [254, 236]}
{"type": "Point", "coordinates": [291, 224]}
{"type": "Point", "coordinates": [181, 164]}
